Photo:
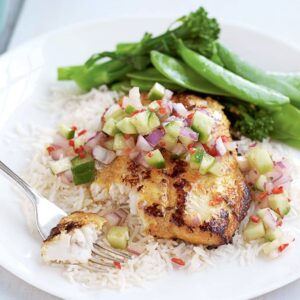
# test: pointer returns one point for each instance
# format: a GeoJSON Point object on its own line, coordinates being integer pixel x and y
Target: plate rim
{"type": "Point", "coordinates": [7, 264]}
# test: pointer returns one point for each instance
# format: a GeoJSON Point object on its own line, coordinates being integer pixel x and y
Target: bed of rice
{"type": "Point", "coordinates": [84, 110]}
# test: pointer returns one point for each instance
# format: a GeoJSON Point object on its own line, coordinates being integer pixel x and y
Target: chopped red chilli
{"type": "Point", "coordinates": [177, 261]}
{"type": "Point", "coordinates": [254, 219]}
{"type": "Point", "coordinates": [282, 247]}
{"type": "Point", "coordinates": [117, 265]}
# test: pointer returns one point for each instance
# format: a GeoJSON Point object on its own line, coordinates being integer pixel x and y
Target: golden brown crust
{"type": "Point", "coordinates": [164, 195]}
{"type": "Point", "coordinates": [75, 220]}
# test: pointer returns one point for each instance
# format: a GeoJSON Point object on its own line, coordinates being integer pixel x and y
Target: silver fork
{"type": "Point", "coordinates": [48, 215]}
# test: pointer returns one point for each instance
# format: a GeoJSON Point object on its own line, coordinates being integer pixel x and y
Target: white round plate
{"type": "Point", "coordinates": [26, 75]}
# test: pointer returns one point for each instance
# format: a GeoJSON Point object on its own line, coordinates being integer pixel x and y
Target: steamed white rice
{"type": "Point", "coordinates": [70, 107]}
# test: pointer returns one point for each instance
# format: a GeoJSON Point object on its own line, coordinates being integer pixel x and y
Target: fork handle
{"type": "Point", "coordinates": [12, 175]}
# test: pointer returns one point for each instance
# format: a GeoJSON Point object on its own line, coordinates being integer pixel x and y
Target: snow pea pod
{"type": "Point", "coordinates": [183, 75]}
{"type": "Point", "coordinates": [149, 74]}
{"type": "Point", "coordinates": [237, 65]}
{"type": "Point", "coordinates": [230, 82]}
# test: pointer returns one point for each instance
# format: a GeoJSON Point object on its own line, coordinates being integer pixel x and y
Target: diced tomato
{"type": "Point", "coordinates": [117, 265]}
{"type": "Point", "coordinates": [211, 151]}
{"type": "Point", "coordinates": [224, 138]}
{"type": "Point", "coordinates": [159, 102]}
{"type": "Point", "coordinates": [254, 219]}
{"type": "Point", "coordinates": [277, 190]}
{"type": "Point", "coordinates": [262, 195]}
{"type": "Point", "coordinates": [71, 143]}
{"type": "Point", "coordinates": [177, 261]}
{"type": "Point", "coordinates": [176, 114]}
{"type": "Point", "coordinates": [282, 247]}
{"type": "Point", "coordinates": [82, 132]}
{"type": "Point", "coordinates": [192, 150]}
{"type": "Point", "coordinates": [74, 128]}
{"type": "Point", "coordinates": [50, 149]}
{"type": "Point", "coordinates": [162, 110]}
{"type": "Point", "coordinates": [82, 155]}
{"type": "Point", "coordinates": [217, 200]}
{"type": "Point", "coordinates": [190, 116]}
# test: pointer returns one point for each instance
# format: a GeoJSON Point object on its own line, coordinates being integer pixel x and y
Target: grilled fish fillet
{"type": "Point", "coordinates": [177, 202]}
{"type": "Point", "coordinates": [71, 241]}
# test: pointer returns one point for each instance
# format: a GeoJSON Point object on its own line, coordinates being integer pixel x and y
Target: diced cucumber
{"type": "Point", "coordinates": [118, 237]}
{"type": "Point", "coordinates": [81, 165]}
{"type": "Point", "coordinates": [153, 121]}
{"type": "Point", "coordinates": [155, 159]}
{"type": "Point", "coordinates": [157, 92]}
{"type": "Point", "coordinates": [154, 106]}
{"type": "Point", "coordinates": [119, 142]}
{"type": "Point", "coordinates": [206, 163]}
{"type": "Point", "coordinates": [79, 141]}
{"type": "Point", "coordinates": [216, 168]}
{"type": "Point", "coordinates": [130, 109]}
{"type": "Point", "coordinates": [173, 128]}
{"type": "Point", "coordinates": [126, 126]}
{"type": "Point", "coordinates": [140, 122]}
{"type": "Point", "coordinates": [254, 231]}
{"type": "Point", "coordinates": [117, 114]}
{"type": "Point", "coordinates": [60, 166]}
{"type": "Point", "coordinates": [185, 140]}
{"type": "Point", "coordinates": [168, 142]}
{"type": "Point", "coordinates": [110, 127]}
{"type": "Point", "coordinates": [269, 247]}
{"type": "Point", "coordinates": [272, 235]}
{"type": "Point", "coordinates": [84, 177]}
{"type": "Point", "coordinates": [268, 216]}
{"type": "Point", "coordinates": [202, 124]}
{"type": "Point", "coordinates": [109, 144]}
{"type": "Point", "coordinates": [260, 183]}
{"type": "Point", "coordinates": [196, 158]}
{"type": "Point", "coordinates": [279, 203]}
{"type": "Point", "coordinates": [260, 159]}
{"type": "Point", "coordinates": [66, 131]}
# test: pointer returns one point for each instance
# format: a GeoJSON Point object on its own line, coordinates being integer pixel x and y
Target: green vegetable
{"type": "Point", "coordinates": [250, 121]}
{"type": "Point", "coordinates": [122, 86]}
{"type": "Point", "coordinates": [119, 142]}
{"type": "Point", "coordinates": [196, 158]}
{"type": "Point", "coordinates": [254, 231]}
{"type": "Point", "coordinates": [126, 126]}
{"type": "Point", "coordinates": [202, 124]}
{"type": "Point", "coordinates": [260, 160]}
{"type": "Point", "coordinates": [206, 163]}
{"type": "Point", "coordinates": [197, 30]}
{"type": "Point", "coordinates": [150, 74]}
{"type": "Point", "coordinates": [269, 247]}
{"type": "Point", "coordinates": [181, 74]}
{"type": "Point", "coordinates": [83, 170]}
{"type": "Point", "coordinates": [66, 131]}
{"type": "Point", "coordinates": [240, 67]}
{"type": "Point", "coordinates": [228, 81]}
{"type": "Point", "coordinates": [130, 109]}
{"type": "Point", "coordinates": [279, 203]}
{"type": "Point", "coordinates": [146, 85]}
{"type": "Point", "coordinates": [272, 235]}
{"type": "Point", "coordinates": [173, 128]}
{"type": "Point", "coordinates": [260, 182]}
{"type": "Point", "coordinates": [155, 159]}
{"type": "Point", "coordinates": [216, 168]}
{"type": "Point", "coordinates": [168, 142]}
{"type": "Point", "coordinates": [110, 127]}
{"type": "Point", "coordinates": [157, 92]}
{"type": "Point", "coordinates": [60, 166]}
{"type": "Point", "coordinates": [118, 237]}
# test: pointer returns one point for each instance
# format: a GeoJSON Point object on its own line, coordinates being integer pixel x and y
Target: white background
{"type": "Point", "coordinates": [280, 18]}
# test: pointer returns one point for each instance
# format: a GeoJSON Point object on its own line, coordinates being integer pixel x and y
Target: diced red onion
{"type": "Point", "coordinates": [122, 214]}
{"type": "Point", "coordinates": [134, 153]}
{"type": "Point", "coordinates": [57, 154]}
{"type": "Point", "coordinates": [103, 155]}
{"type": "Point", "coordinates": [66, 177]}
{"type": "Point", "coordinates": [178, 149]}
{"type": "Point", "coordinates": [140, 160]}
{"type": "Point", "coordinates": [60, 141]}
{"type": "Point", "coordinates": [275, 174]}
{"type": "Point", "coordinates": [252, 176]}
{"type": "Point", "coordinates": [280, 164]}
{"type": "Point", "coordinates": [154, 137]}
{"type": "Point", "coordinates": [113, 219]}
{"type": "Point", "coordinates": [111, 110]}
{"type": "Point", "coordinates": [168, 94]}
{"type": "Point", "coordinates": [188, 132]}
{"type": "Point", "coordinates": [252, 145]}
{"type": "Point", "coordinates": [243, 163]}
{"type": "Point", "coordinates": [269, 219]}
{"type": "Point", "coordinates": [180, 109]}
{"type": "Point", "coordinates": [230, 146]}
{"type": "Point", "coordinates": [97, 138]}
{"type": "Point", "coordinates": [135, 249]}
{"type": "Point", "coordinates": [282, 180]}
{"type": "Point", "coordinates": [135, 98]}
{"type": "Point", "coordinates": [220, 146]}
{"type": "Point", "coordinates": [269, 187]}
{"type": "Point", "coordinates": [143, 145]}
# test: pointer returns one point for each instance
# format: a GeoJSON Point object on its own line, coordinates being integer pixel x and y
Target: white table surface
{"type": "Point", "coordinates": [277, 17]}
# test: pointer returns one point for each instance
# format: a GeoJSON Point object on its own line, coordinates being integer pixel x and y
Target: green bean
{"type": "Point", "coordinates": [147, 85]}
{"type": "Point", "coordinates": [242, 68]}
{"type": "Point", "coordinates": [121, 86]}
{"type": "Point", "coordinates": [230, 82]}
{"type": "Point", "coordinates": [149, 74]}
{"type": "Point", "coordinates": [183, 75]}
{"type": "Point", "coordinates": [66, 73]}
